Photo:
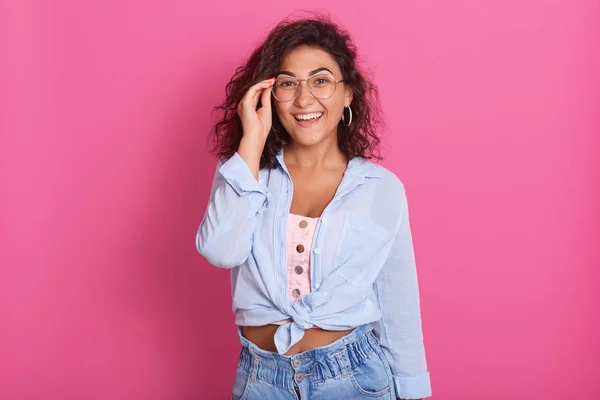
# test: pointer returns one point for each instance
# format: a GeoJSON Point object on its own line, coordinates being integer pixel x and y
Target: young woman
{"type": "Point", "coordinates": [317, 237]}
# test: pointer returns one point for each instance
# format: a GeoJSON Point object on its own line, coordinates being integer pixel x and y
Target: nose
{"type": "Point", "coordinates": [304, 97]}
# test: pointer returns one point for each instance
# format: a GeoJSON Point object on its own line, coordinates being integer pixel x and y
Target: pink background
{"type": "Point", "coordinates": [493, 125]}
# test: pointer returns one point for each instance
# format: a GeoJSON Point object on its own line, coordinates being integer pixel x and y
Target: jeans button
{"type": "Point", "coordinates": [297, 363]}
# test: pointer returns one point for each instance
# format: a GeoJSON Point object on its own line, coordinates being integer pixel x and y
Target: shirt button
{"type": "Point", "coordinates": [300, 248]}
{"type": "Point", "coordinates": [317, 251]}
{"type": "Point", "coordinates": [317, 285]}
{"type": "Point", "coordinates": [303, 224]}
{"type": "Point", "coordinates": [295, 293]}
{"type": "Point", "coordinates": [299, 270]}
{"type": "Point", "coordinates": [324, 220]}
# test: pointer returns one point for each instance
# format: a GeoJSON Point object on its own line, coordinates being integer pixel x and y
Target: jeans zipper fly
{"type": "Point", "coordinates": [297, 391]}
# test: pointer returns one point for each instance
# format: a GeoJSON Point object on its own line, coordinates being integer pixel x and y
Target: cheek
{"type": "Point", "coordinates": [280, 114]}
{"type": "Point", "coordinates": [281, 110]}
{"type": "Point", "coordinates": [334, 109]}
{"type": "Point", "coordinates": [337, 104]}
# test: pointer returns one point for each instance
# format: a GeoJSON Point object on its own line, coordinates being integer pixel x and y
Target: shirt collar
{"type": "Point", "coordinates": [363, 168]}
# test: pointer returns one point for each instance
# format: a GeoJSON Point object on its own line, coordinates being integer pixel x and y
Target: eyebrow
{"type": "Point", "coordinates": [311, 73]}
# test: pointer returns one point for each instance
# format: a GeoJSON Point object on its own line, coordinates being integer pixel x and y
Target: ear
{"type": "Point", "coordinates": [347, 96]}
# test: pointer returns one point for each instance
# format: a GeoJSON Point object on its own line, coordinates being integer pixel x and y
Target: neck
{"type": "Point", "coordinates": [322, 155]}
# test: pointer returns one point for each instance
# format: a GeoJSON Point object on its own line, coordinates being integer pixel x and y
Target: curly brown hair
{"type": "Point", "coordinates": [359, 139]}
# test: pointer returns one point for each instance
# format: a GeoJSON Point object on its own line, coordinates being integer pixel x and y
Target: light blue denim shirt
{"type": "Point", "coordinates": [362, 266]}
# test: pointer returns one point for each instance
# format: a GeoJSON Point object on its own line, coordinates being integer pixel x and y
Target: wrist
{"type": "Point", "coordinates": [250, 149]}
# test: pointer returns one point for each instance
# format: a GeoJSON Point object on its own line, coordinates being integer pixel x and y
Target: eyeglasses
{"type": "Point", "coordinates": [321, 86]}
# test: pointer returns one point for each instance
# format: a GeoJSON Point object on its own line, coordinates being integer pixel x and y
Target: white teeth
{"type": "Point", "coordinates": [308, 116]}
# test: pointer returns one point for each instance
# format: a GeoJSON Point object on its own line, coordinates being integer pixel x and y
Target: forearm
{"type": "Point", "coordinates": [250, 149]}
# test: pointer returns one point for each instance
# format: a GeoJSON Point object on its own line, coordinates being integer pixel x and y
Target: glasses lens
{"type": "Point", "coordinates": [285, 88]}
{"type": "Point", "coordinates": [322, 86]}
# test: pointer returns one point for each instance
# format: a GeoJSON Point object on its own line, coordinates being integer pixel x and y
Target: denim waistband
{"type": "Point", "coordinates": [319, 363]}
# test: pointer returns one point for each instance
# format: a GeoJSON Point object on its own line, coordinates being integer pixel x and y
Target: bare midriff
{"type": "Point", "coordinates": [264, 338]}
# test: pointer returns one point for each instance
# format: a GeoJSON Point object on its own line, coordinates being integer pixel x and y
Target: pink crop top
{"type": "Point", "coordinates": [300, 231]}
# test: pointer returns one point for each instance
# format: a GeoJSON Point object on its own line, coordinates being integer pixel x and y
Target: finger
{"type": "Point", "coordinates": [255, 95]}
{"type": "Point", "coordinates": [265, 99]}
{"type": "Point", "coordinates": [256, 89]}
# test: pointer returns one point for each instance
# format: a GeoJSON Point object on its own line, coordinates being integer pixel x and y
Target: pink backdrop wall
{"type": "Point", "coordinates": [493, 125]}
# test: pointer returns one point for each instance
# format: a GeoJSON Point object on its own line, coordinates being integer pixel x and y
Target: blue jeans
{"type": "Point", "coordinates": [352, 367]}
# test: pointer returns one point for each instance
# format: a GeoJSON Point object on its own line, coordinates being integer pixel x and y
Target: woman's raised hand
{"type": "Point", "coordinates": [257, 123]}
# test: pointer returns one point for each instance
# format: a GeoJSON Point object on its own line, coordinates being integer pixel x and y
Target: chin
{"type": "Point", "coordinates": [305, 139]}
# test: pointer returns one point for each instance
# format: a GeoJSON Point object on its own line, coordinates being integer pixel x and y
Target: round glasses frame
{"type": "Point", "coordinates": [335, 82]}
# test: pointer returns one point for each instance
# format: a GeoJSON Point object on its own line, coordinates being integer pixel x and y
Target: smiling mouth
{"type": "Point", "coordinates": [308, 118]}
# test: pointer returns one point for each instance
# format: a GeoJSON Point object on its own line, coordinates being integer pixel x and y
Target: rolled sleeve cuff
{"type": "Point", "coordinates": [237, 173]}
{"type": "Point", "coordinates": [413, 387]}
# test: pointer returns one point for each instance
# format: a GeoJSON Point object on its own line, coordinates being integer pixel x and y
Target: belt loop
{"type": "Point", "coordinates": [254, 370]}
{"type": "Point", "coordinates": [342, 363]}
